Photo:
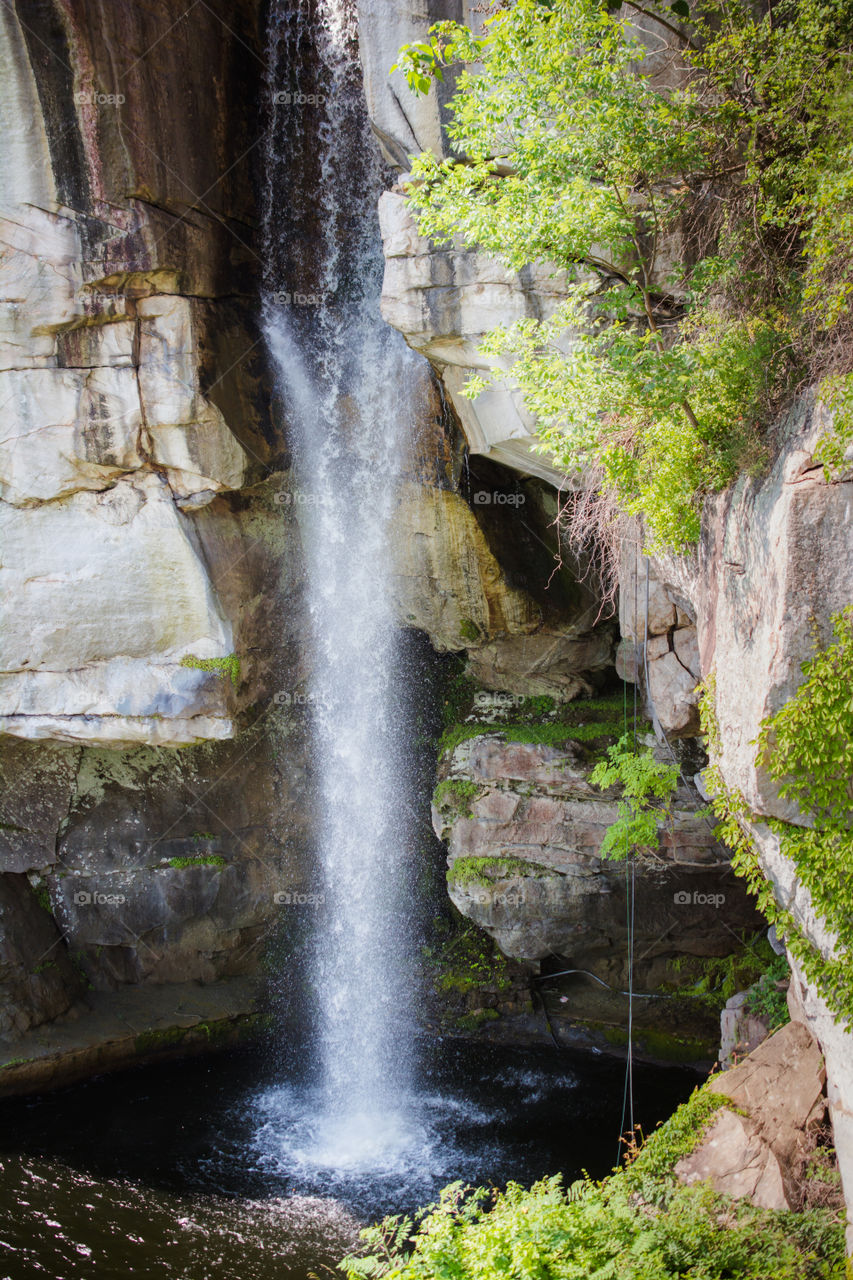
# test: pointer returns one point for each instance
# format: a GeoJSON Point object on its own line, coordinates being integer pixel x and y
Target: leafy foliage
{"type": "Point", "coordinates": [702, 220]}
{"type": "Point", "coordinates": [644, 781]}
{"type": "Point", "coordinates": [808, 748]}
{"type": "Point", "coordinates": [837, 394]}
{"type": "Point", "coordinates": [767, 999]}
{"type": "Point", "coordinates": [718, 978]}
{"type": "Point", "coordinates": [639, 1224]}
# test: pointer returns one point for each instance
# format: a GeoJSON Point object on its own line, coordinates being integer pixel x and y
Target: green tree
{"type": "Point", "coordinates": [689, 208]}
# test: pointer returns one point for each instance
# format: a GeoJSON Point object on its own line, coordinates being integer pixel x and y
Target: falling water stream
{"type": "Point", "coordinates": [343, 376]}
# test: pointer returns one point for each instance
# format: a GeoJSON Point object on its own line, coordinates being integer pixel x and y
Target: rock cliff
{"type": "Point", "coordinates": [152, 785]}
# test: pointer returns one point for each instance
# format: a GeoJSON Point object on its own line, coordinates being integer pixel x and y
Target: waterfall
{"type": "Point", "coordinates": [343, 374]}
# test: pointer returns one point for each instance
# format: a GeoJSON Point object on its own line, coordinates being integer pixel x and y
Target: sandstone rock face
{"type": "Point", "coordinates": [136, 599]}
{"type": "Point", "coordinates": [444, 301]}
{"type": "Point", "coordinates": [139, 476]}
{"type": "Point", "coordinates": [559, 663]}
{"type": "Point", "coordinates": [541, 823]}
{"type": "Point", "coordinates": [473, 559]}
{"type": "Point", "coordinates": [402, 123]}
{"type": "Point", "coordinates": [106, 432]}
{"type": "Point", "coordinates": [161, 865]}
{"type": "Point", "coordinates": [775, 563]}
{"type": "Point", "coordinates": [780, 1088]}
{"type": "Point", "coordinates": [448, 581]}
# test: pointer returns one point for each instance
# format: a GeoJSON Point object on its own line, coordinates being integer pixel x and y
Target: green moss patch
{"type": "Point", "coordinates": [228, 666]}
{"type": "Point", "coordinates": [479, 1018]}
{"type": "Point", "coordinates": [540, 720]}
{"type": "Point", "coordinates": [453, 796]}
{"type": "Point", "coordinates": [485, 871]}
{"type": "Point", "coordinates": [200, 860]}
{"type": "Point", "coordinates": [469, 962]}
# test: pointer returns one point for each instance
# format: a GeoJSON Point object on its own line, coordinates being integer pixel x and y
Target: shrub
{"type": "Point", "coordinates": [639, 1224]}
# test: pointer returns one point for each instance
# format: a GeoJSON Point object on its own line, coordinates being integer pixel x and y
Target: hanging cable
{"type": "Point", "coordinates": [630, 887]}
{"type": "Point", "coordinates": [631, 993]}
{"type": "Point", "coordinates": [628, 1091]}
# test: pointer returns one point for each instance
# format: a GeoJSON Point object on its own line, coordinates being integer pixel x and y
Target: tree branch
{"type": "Point", "coordinates": [631, 4]}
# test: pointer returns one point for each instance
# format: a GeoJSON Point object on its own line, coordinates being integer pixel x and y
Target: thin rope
{"type": "Point", "coordinates": [631, 994]}
{"type": "Point", "coordinates": [630, 884]}
{"type": "Point", "coordinates": [628, 1091]}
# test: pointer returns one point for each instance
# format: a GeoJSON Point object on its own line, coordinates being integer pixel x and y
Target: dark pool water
{"type": "Point", "coordinates": [218, 1168]}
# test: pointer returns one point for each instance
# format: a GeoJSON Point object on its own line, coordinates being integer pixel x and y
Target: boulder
{"type": "Point", "coordinates": [779, 1089]}
{"type": "Point", "coordinates": [672, 691]}
{"type": "Point", "coordinates": [736, 1160]}
{"type": "Point", "coordinates": [535, 827]}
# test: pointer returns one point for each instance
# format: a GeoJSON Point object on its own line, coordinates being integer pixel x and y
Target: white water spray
{"type": "Point", "coordinates": [344, 375]}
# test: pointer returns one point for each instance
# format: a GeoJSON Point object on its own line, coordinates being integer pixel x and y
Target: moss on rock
{"type": "Point", "coordinates": [485, 871]}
